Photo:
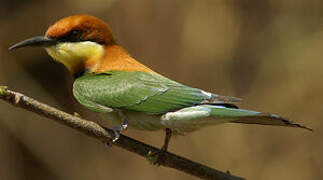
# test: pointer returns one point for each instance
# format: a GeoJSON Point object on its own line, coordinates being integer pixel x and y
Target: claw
{"type": "Point", "coordinates": [153, 157]}
{"type": "Point", "coordinates": [158, 158]}
{"type": "Point", "coordinates": [116, 135]}
{"type": "Point", "coordinates": [122, 127]}
{"type": "Point", "coordinates": [115, 131]}
{"type": "Point", "coordinates": [118, 129]}
{"type": "Point", "coordinates": [109, 145]}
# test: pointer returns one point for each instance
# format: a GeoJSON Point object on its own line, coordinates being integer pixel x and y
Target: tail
{"type": "Point", "coordinates": [192, 118]}
{"type": "Point", "coordinates": [253, 117]}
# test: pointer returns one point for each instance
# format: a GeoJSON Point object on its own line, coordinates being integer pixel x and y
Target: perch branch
{"type": "Point", "coordinates": [96, 131]}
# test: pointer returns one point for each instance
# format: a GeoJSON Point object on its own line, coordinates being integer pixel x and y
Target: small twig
{"type": "Point", "coordinates": [94, 130]}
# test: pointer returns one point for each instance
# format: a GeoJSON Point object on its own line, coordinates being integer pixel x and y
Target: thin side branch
{"type": "Point", "coordinates": [96, 131]}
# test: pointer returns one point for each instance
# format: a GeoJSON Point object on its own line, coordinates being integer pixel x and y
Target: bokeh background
{"type": "Point", "coordinates": [267, 52]}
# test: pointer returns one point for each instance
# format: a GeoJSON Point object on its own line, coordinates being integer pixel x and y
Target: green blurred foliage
{"type": "Point", "coordinates": [266, 52]}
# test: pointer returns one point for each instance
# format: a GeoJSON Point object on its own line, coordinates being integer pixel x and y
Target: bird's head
{"type": "Point", "coordinates": [74, 41]}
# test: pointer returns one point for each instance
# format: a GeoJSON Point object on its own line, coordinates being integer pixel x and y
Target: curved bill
{"type": "Point", "coordinates": [39, 41]}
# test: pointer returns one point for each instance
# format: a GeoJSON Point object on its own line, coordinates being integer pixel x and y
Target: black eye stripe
{"type": "Point", "coordinates": [75, 32]}
{"type": "Point", "coordinates": [77, 36]}
{"type": "Point", "coordinates": [73, 36]}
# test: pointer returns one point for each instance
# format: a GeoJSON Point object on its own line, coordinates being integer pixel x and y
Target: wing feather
{"type": "Point", "coordinates": [141, 91]}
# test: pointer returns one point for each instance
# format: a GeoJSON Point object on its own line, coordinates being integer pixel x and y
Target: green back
{"type": "Point", "coordinates": [138, 91]}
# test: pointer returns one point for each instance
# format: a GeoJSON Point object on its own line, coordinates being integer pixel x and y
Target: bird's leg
{"type": "Point", "coordinates": [117, 129]}
{"type": "Point", "coordinates": [167, 139]}
{"type": "Point", "coordinates": [158, 157]}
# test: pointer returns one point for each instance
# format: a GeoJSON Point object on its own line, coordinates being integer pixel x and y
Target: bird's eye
{"type": "Point", "coordinates": [75, 32]}
{"type": "Point", "coordinates": [74, 35]}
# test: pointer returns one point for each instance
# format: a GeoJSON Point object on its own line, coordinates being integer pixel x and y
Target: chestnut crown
{"type": "Point", "coordinates": [79, 28]}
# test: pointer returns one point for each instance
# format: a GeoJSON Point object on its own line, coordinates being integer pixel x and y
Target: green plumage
{"type": "Point", "coordinates": [154, 102]}
{"type": "Point", "coordinates": [138, 91]}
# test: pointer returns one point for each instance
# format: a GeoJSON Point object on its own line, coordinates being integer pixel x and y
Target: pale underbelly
{"type": "Point", "coordinates": [142, 121]}
{"type": "Point", "coordinates": [136, 120]}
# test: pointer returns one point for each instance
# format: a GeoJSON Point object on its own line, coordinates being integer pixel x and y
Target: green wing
{"type": "Point", "coordinates": [140, 91]}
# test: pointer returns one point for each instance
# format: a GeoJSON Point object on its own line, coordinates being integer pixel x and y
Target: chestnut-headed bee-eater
{"type": "Point", "coordinates": [127, 93]}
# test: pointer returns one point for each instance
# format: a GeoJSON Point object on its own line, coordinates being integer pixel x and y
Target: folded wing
{"type": "Point", "coordinates": [142, 92]}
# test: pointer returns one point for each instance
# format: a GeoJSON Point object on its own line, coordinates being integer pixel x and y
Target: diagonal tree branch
{"type": "Point", "coordinates": [96, 131]}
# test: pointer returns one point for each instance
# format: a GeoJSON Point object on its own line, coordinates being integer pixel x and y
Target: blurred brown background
{"type": "Point", "coordinates": [267, 52]}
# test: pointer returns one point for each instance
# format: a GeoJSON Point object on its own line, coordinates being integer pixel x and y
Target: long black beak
{"type": "Point", "coordinates": [39, 41]}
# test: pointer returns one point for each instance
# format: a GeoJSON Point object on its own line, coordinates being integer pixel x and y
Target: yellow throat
{"type": "Point", "coordinates": [74, 54]}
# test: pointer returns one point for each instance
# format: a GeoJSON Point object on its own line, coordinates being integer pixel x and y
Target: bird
{"type": "Point", "coordinates": [109, 81]}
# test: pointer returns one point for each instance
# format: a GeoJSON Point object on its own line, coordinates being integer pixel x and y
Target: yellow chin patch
{"type": "Point", "coordinates": [74, 54]}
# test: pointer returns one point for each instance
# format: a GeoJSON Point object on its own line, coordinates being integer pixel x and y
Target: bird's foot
{"type": "Point", "coordinates": [156, 158]}
{"type": "Point", "coordinates": [117, 129]}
